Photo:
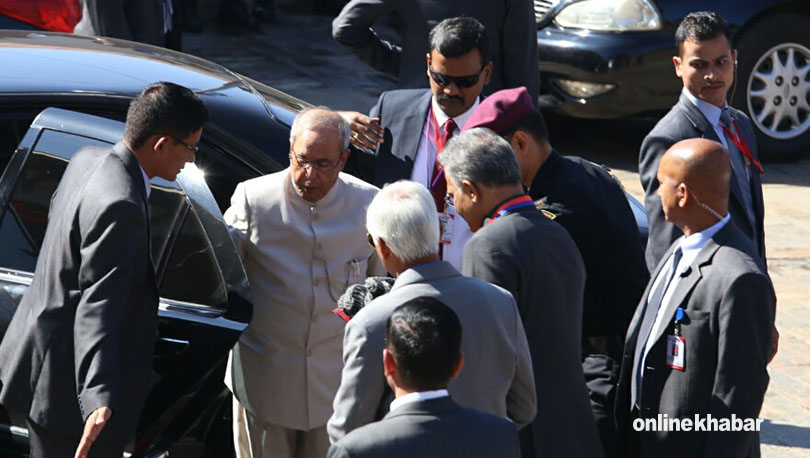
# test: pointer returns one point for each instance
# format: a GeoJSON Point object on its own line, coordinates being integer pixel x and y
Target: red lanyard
{"type": "Point", "coordinates": [436, 134]}
{"type": "Point", "coordinates": [742, 145]}
{"type": "Point", "coordinates": [511, 204]}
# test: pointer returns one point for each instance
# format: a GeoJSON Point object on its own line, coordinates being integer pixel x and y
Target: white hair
{"type": "Point", "coordinates": [403, 214]}
{"type": "Point", "coordinates": [321, 117]}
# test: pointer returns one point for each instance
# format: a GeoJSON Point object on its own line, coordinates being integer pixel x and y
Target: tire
{"type": "Point", "coordinates": [773, 84]}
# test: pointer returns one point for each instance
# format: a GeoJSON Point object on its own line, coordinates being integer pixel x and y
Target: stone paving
{"type": "Point", "coordinates": [298, 56]}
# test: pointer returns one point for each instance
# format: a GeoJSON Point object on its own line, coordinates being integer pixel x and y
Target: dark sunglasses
{"type": "Point", "coordinates": [370, 240]}
{"type": "Point", "coordinates": [461, 81]}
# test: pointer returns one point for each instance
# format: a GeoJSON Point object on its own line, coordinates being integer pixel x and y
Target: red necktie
{"type": "Point", "coordinates": [438, 185]}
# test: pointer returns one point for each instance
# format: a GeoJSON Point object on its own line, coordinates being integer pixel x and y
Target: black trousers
{"type": "Point", "coordinates": [46, 443]}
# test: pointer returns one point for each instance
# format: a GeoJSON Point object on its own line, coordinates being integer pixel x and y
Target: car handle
{"type": "Point", "coordinates": [167, 346]}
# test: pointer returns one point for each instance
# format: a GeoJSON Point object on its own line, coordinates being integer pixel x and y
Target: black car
{"type": "Point", "coordinates": [59, 93]}
{"type": "Point", "coordinates": [613, 58]}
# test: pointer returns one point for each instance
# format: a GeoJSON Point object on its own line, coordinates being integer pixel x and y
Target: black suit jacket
{"type": "Point", "coordinates": [729, 304]}
{"type": "Point", "coordinates": [590, 204]}
{"type": "Point", "coordinates": [435, 428]}
{"type": "Point", "coordinates": [535, 259]}
{"type": "Point", "coordinates": [402, 115]}
{"type": "Point", "coordinates": [83, 334]}
{"type": "Point", "coordinates": [510, 24]}
{"type": "Point", "coordinates": [684, 121]}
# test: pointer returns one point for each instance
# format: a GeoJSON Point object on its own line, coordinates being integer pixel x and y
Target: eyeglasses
{"type": "Point", "coordinates": [193, 149]}
{"type": "Point", "coordinates": [321, 165]}
{"type": "Point", "coordinates": [449, 201]}
{"type": "Point", "coordinates": [370, 240]}
{"type": "Point", "coordinates": [461, 81]}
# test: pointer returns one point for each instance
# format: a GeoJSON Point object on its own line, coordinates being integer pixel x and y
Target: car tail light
{"type": "Point", "coordinates": [53, 15]}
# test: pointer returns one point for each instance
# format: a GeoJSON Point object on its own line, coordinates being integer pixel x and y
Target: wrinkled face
{"type": "Point", "coordinates": [172, 154]}
{"type": "Point", "coordinates": [467, 203]}
{"type": "Point", "coordinates": [452, 97]}
{"type": "Point", "coordinates": [668, 189]}
{"type": "Point", "coordinates": [707, 69]}
{"type": "Point", "coordinates": [315, 162]}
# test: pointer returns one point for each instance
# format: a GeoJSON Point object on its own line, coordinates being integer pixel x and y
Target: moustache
{"type": "Point", "coordinates": [446, 98]}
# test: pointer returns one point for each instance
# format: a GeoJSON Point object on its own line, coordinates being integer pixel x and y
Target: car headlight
{"type": "Point", "coordinates": [610, 15]}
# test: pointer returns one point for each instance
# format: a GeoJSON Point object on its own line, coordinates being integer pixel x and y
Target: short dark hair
{"type": "Point", "coordinates": [533, 124]}
{"type": "Point", "coordinates": [701, 26]}
{"type": "Point", "coordinates": [456, 36]}
{"type": "Point", "coordinates": [424, 337]}
{"type": "Point", "coordinates": [165, 108]}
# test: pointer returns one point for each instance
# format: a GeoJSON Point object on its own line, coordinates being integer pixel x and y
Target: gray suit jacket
{"type": "Point", "coordinates": [497, 374]}
{"type": "Point", "coordinates": [83, 334]}
{"type": "Point", "coordinates": [537, 261]}
{"type": "Point", "coordinates": [437, 428]}
{"type": "Point", "coordinates": [729, 302]}
{"type": "Point", "coordinates": [684, 121]}
{"type": "Point", "coordinates": [510, 24]}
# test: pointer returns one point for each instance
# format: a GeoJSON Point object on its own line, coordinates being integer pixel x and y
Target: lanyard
{"type": "Point", "coordinates": [510, 205]}
{"type": "Point", "coordinates": [742, 145]}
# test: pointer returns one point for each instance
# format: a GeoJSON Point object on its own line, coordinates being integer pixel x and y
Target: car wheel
{"type": "Point", "coordinates": [774, 84]}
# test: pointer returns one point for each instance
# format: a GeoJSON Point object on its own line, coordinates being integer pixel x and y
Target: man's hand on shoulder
{"type": "Point", "coordinates": [92, 428]}
{"type": "Point", "coordinates": [367, 133]}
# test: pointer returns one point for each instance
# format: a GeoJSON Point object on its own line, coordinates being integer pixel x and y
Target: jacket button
{"type": "Point", "coordinates": [315, 282]}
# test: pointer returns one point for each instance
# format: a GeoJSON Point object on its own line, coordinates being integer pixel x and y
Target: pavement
{"type": "Point", "coordinates": [297, 55]}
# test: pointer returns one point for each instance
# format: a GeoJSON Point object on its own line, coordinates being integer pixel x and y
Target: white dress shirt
{"type": "Point", "coordinates": [423, 170]}
{"type": "Point", "coordinates": [417, 396]}
{"type": "Point", "coordinates": [690, 247]}
{"type": "Point", "coordinates": [146, 182]}
{"type": "Point", "coordinates": [711, 112]}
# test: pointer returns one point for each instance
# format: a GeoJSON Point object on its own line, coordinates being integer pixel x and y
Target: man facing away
{"type": "Point", "coordinates": [589, 203]}
{"type": "Point", "coordinates": [699, 343]}
{"type": "Point", "coordinates": [77, 356]}
{"type": "Point", "coordinates": [497, 376]}
{"type": "Point", "coordinates": [414, 125]}
{"type": "Point", "coordinates": [518, 248]}
{"type": "Point", "coordinates": [422, 354]}
{"type": "Point", "coordinates": [300, 235]}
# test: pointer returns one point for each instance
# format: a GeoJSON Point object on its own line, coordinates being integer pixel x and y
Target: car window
{"type": "Point", "coordinates": [179, 243]}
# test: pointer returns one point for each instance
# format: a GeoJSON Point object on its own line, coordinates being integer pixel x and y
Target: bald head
{"type": "Point", "coordinates": [694, 177]}
{"type": "Point", "coordinates": [703, 165]}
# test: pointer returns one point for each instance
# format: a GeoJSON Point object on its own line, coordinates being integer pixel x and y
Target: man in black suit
{"type": "Point", "coordinates": [77, 356]}
{"type": "Point", "coordinates": [535, 259]}
{"type": "Point", "coordinates": [700, 340]}
{"type": "Point", "coordinates": [415, 124]}
{"type": "Point", "coordinates": [589, 203]}
{"type": "Point", "coordinates": [512, 35]}
{"type": "Point", "coordinates": [422, 355]}
{"type": "Point", "coordinates": [706, 64]}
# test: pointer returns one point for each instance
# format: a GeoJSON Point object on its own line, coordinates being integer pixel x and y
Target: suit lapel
{"type": "Point", "coordinates": [413, 121]}
{"type": "Point", "coordinates": [404, 131]}
{"type": "Point", "coordinates": [690, 277]}
{"type": "Point", "coordinates": [630, 338]}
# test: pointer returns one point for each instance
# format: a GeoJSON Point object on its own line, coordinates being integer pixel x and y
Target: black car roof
{"type": "Point", "coordinates": [62, 66]}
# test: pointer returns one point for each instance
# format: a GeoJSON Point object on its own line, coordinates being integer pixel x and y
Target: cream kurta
{"type": "Point", "coordinates": [300, 257]}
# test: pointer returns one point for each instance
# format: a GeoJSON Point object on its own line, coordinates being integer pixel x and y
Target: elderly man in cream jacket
{"type": "Point", "coordinates": [301, 235]}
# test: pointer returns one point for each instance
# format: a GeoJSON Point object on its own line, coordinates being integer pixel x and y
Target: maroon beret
{"type": "Point", "coordinates": [501, 111]}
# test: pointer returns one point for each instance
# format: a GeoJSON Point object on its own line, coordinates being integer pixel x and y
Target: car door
{"type": "Point", "coordinates": [203, 287]}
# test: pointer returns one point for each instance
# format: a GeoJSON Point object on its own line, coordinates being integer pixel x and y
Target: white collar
{"type": "Point", "coordinates": [416, 397]}
{"type": "Point", "coordinates": [691, 246]}
{"type": "Point", "coordinates": [147, 184]}
{"type": "Point", "coordinates": [441, 117]}
{"type": "Point", "coordinates": [711, 112]}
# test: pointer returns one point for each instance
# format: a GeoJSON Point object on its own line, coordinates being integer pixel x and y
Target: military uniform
{"type": "Point", "coordinates": [589, 203]}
